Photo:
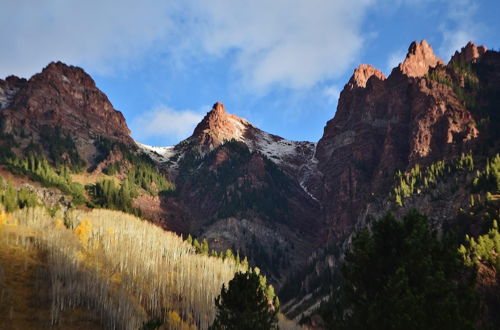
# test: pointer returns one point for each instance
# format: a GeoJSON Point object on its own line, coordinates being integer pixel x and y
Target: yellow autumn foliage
{"type": "Point", "coordinates": [129, 271]}
{"type": "Point", "coordinates": [83, 231]}
{"type": "Point", "coordinates": [58, 223]}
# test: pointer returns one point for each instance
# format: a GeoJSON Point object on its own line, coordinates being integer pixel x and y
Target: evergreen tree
{"type": "Point", "coordinates": [10, 198]}
{"type": "Point", "coordinates": [400, 276]}
{"type": "Point", "coordinates": [243, 305]}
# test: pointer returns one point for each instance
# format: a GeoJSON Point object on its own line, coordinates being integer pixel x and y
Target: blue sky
{"type": "Point", "coordinates": [278, 63]}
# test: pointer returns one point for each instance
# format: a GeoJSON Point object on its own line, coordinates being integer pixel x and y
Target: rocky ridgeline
{"type": "Point", "coordinates": [384, 124]}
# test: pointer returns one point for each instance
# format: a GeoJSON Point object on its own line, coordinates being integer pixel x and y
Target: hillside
{"type": "Point", "coordinates": [103, 269]}
{"type": "Point", "coordinates": [421, 138]}
{"type": "Point", "coordinates": [425, 137]}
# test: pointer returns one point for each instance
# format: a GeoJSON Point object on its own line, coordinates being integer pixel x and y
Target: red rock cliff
{"type": "Point", "coordinates": [382, 125]}
{"type": "Point", "coordinates": [63, 96]}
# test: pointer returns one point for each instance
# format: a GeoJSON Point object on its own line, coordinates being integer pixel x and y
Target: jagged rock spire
{"type": "Point", "coordinates": [419, 59]}
{"type": "Point", "coordinates": [217, 126]}
{"type": "Point", "coordinates": [469, 53]}
{"type": "Point", "coordinates": [361, 75]}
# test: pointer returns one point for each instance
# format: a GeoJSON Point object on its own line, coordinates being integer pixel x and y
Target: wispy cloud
{"type": "Point", "coordinates": [288, 43]}
{"type": "Point", "coordinates": [394, 59]}
{"type": "Point", "coordinates": [332, 93]}
{"type": "Point", "coordinates": [459, 26]}
{"type": "Point", "coordinates": [165, 122]}
{"type": "Point", "coordinates": [98, 34]}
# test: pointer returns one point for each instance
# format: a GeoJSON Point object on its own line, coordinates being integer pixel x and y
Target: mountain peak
{"type": "Point", "coordinates": [469, 53]}
{"type": "Point", "coordinates": [419, 59]}
{"type": "Point", "coordinates": [65, 96]}
{"type": "Point", "coordinates": [217, 126]}
{"type": "Point", "coordinates": [218, 108]}
{"type": "Point", "coordinates": [362, 73]}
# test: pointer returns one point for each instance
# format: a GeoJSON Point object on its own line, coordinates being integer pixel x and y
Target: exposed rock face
{"type": "Point", "coordinates": [382, 125]}
{"type": "Point", "coordinates": [419, 59]}
{"type": "Point", "coordinates": [246, 194]}
{"type": "Point", "coordinates": [468, 54]}
{"type": "Point", "coordinates": [60, 96]}
{"type": "Point", "coordinates": [394, 124]}
{"type": "Point", "coordinates": [362, 74]}
{"type": "Point", "coordinates": [218, 126]}
{"type": "Point", "coordinates": [8, 89]}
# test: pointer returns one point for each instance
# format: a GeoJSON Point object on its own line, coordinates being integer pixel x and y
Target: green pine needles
{"type": "Point", "coordinates": [244, 305]}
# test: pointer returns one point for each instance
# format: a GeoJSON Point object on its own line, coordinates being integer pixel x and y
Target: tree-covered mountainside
{"type": "Point", "coordinates": [112, 268]}
{"type": "Point", "coordinates": [400, 275]}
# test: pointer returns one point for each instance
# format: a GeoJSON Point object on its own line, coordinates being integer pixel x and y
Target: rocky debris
{"type": "Point", "coordinates": [115, 156]}
{"type": "Point", "coordinates": [468, 54]}
{"type": "Point", "coordinates": [419, 59]}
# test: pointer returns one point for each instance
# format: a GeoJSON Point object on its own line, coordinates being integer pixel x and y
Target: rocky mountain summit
{"type": "Point", "coordinates": [384, 124]}
{"type": "Point", "coordinates": [60, 97]}
{"type": "Point", "coordinates": [419, 59]}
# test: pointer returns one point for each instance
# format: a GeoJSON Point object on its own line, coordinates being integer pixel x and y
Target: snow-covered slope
{"type": "Point", "coordinates": [159, 154]}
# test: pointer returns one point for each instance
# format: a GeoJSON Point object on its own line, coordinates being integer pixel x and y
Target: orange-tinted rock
{"type": "Point", "coordinates": [362, 73]}
{"type": "Point", "coordinates": [218, 126]}
{"type": "Point", "coordinates": [419, 59]}
{"type": "Point", "coordinates": [469, 53]}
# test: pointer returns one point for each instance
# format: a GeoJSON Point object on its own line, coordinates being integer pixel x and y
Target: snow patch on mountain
{"type": "Point", "coordinates": [159, 154]}
{"type": "Point", "coordinates": [240, 126]}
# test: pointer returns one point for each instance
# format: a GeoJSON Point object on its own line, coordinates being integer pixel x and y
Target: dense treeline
{"type": "Point", "coordinates": [485, 249]}
{"type": "Point", "coordinates": [125, 269]}
{"type": "Point", "coordinates": [37, 168]}
{"type": "Point", "coordinates": [142, 175]}
{"type": "Point", "coordinates": [106, 194]}
{"type": "Point", "coordinates": [420, 179]}
{"type": "Point", "coordinates": [400, 275]}
{"type": "Point", "coordinates": [61, 148]}
{"type": "Point", "coordinates": [141, 178]}
{"type": "Point", "coordinates": [241, 263]}
{"type": "Point", "coordinates": [243, 305]}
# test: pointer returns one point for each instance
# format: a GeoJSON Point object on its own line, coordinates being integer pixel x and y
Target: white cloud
{"type": "Point", "coordinates": [459, 27]}
{"type": "Point", "coordinates": [289, 43]}
{"type": "Point", "coordinates": [394, 59]}
{"type": "Point", "coordinates": [98, 34]}
{"type": "Point", "coordinates": [168, 123]}
{"type": "Point", "coordinates": [332, 93]}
